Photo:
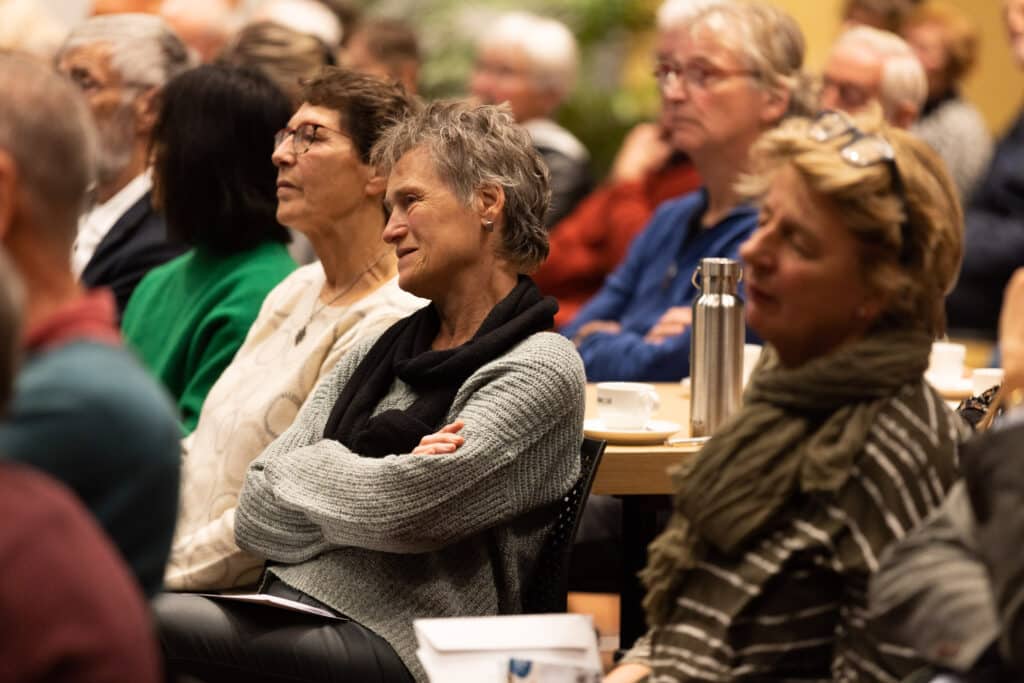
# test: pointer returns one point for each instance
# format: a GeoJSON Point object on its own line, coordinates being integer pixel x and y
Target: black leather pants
{"type": "Point", "coordinates": [218, 640]}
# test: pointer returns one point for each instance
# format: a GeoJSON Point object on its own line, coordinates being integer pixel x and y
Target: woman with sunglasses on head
{"type": "Point", "coordinates": [328, 191]}
{"type": "Point", "coordinates": [840, 447]}
{"type": "Point", "coordinates": [733, 72]}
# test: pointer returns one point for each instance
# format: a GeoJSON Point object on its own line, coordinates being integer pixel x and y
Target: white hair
{"type": "Point", "coordinates": [903, 78]}
{"type": "Point", "coordinates": [144, 50]}
{"type": "Point", "coordinates": [674, 13]}
{"type": "Point", "coordinates": [303, 16]}
{"type": "Point", "coordinates": [26, 26]}
{"type": "Point", "coordinates": [549, 46]}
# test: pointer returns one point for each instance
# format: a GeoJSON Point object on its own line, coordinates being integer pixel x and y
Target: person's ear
{"type": "Point", "coordinates": [376, 184]}
{"type": "Point", "coordinates": [147, 108]}
{"type": "Point", "coordinates": [775, 106]}
{"type": "Point", "coordinates": [8, 193]}
{"type": "Point", "coordinates": [490, 200]}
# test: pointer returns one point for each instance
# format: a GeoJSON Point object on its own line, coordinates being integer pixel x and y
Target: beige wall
{"type": "Point", "coordinates": [996, 86]}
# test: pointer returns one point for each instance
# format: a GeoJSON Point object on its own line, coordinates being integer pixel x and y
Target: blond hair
{"type": "Point", "coordinates": [911, 244]}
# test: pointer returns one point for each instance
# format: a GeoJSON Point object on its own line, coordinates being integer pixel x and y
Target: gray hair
{"type": "Point", "coordinates": [144, 50]}
{"type": "Point", "coordinates": [48, 131]}
{"type": "Point", "coordinates": [903, 78]}
{"type": "Point", "coordinates": [476, 146]}
{"type": "Point", "coordinates": [770, 42]}
{"type": "Point", "coordinates": [549, 46]}
{"type": "Point", "coordinates": [12, 302]}
{"type": "Point", "coordinates": [676, 13]}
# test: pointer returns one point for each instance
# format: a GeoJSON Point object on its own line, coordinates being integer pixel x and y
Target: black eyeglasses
{"type": "Point", "coordinates": [302, 137]}
{"type": "Point", "coordinates": [863, 150]}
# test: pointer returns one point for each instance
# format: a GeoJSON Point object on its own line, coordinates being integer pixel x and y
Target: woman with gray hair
{"type": "Point", "coordinates": [416, 481]}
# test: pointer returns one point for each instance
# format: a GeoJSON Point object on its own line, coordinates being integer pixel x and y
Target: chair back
{"type": "Point", "coordinates": [547, 590]}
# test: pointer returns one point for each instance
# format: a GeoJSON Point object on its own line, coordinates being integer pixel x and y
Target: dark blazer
{"type": "Point", "coordinates": [137, 243]}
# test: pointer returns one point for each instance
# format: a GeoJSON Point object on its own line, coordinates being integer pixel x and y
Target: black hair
{"type": "Point", "coordinates": [212, 144]}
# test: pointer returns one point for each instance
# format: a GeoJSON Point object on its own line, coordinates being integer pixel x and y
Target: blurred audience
{"type": "Point", "coordinates": [204, 25]}
{"type": "Point", "coordinates": [121, 63]}
{"type": "Point", "coordinates": [387, 49]}
{"type": "Point", "coordinates": [125, 6]}
{"type": "Point", "coordinates": [840, 447]}
{"type": "Point", "coordinates": [869, 67]}
{"type": "Point", "coordinates": [590, 242]}
{"type": "Point", "coordinates": [305, 16]}
{"type": "Point", "coordinates": [328, 191]}
{"type": "Point", "coordinates": [27, 27]}
{"type": "Point", "coordinates": [994, 219]}
{"type": "Point", "coordinates": [885, 15]}
{"type": "Point", "coordinates": [946, 43]}
{"type": "Point", "coordinates": [733, 73]}
{"type": "Point", "coordinates": [283, 55]}
{"type": "Point", "coordinates": [530, 62]}
{"type": "Point", "coordinates": [83, 411]}
{"type": "Point", "coordinates": [215, 183]}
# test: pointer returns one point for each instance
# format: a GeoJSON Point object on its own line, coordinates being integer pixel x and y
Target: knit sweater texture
{"type": "Point", "coordinates": [188, 317]}
{"type": "Point", "coordinates": [255, 400]}
{"type": "Point", "coordinates": [389, 540]}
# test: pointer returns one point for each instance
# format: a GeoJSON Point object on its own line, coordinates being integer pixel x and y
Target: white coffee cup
{"type": "Point", "coordinates": [983, 379]}
{"type": "Point", "coordinates": [751, 354]}
{"type": "Point", "coordinates": [946, 360]}
{"type": "Point", "coordinates": [626, 405]}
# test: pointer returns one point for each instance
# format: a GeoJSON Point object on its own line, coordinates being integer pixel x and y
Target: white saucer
{"type": "Point", "coordinates": [656, 432]}
{"type": "Point", "coordinates": [953, 388]}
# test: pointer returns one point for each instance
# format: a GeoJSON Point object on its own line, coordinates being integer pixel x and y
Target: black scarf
{"type": "Point", "coordinates": [403, 351]}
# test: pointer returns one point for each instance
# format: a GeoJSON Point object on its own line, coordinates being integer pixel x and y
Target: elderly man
{"type": "Point", "coordinates": [867, 66]}
{"type": "Point", "coordinates": [385, 49]}
{"type": "Point", "coordinates": [530, 62]}
{"type": "Point", "coordinates": [83, 409]}
{"type": "Point", "coordinates": [121, 62]}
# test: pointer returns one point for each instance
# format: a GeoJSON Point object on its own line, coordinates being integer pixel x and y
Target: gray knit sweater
{"type": "Point", "coordinates": [388, 540]}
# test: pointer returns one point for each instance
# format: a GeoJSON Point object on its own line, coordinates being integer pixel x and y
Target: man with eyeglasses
{"type": "Point", "coordinates": [120, 63]}
{"type": "Point", "coordinates": [870, 66]}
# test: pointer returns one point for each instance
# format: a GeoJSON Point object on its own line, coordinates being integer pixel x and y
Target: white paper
{"type": "Point", "coordinates": [273, 600]}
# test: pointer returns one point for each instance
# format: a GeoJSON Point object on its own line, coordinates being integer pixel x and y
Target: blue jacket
{"type": "Point", "coordinates": [655, 277]}
{"type": "Point", "coordinates": [993, 239]}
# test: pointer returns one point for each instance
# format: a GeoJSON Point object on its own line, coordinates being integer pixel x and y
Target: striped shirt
{"type": "Point", "coordinates": [793, 605]}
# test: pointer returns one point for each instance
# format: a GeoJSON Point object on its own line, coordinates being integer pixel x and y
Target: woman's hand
{"type": "Point", "coordinates": [446, 440]}
{"type": "Point", "coordinates": [595, 326]}
{"type": "Point", "coordinates": [1011, 333]}
{"type": "Point", "coordinates": [628, 673]}
{"type": "Point", "coordinates": [671, 324]}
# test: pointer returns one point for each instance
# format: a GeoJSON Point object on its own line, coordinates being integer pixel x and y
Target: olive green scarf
{"type": "Point", "coordinates": [799, 430]}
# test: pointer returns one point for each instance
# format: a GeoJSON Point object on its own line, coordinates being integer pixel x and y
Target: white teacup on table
{"type": "Point", "coordinates": [626, 405]}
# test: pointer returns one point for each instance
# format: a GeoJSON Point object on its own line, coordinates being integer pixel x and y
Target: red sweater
{"type": "Point", "coordinates": [591, 241]}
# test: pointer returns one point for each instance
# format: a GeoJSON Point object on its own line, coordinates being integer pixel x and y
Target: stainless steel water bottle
{"type": "Point", "coordinates": [716, 346]}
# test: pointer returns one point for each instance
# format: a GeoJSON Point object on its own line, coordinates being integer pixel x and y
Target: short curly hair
{"type": "Point", "coordinates": [475, 146]}
{"type": "Point", "coordinates": [912, 267]}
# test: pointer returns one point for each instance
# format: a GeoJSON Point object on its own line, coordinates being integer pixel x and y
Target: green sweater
{"type": "Point", "coordinates": [388, 540]}
{"type": "Point", "coordinates": [188, 317]}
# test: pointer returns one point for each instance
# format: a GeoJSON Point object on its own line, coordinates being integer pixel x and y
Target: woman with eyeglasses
{"type": "Point", "coordinates": [327, 190]}
{"type": "Point", "coordinates": [733, 72]}
{"type": "Point", "coordinates": [215, 186]}
{"type": "Point", "coordinates": [841, 447]}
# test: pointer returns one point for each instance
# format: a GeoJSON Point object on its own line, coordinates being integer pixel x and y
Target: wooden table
{"type": "Point", "coordinates": [639, 475]}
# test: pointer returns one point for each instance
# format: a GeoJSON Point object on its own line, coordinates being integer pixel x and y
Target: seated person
{"type": "Point", "coordinates": [530, 62]}
{"type": "Point", "coordinates": [840, 446]}
{"type": "Point", "coordinates": [591, 241]}
{"type": "Point", "coordinates": [945, 41]}
{"type": "Point", "coordinates": [328, 191]}
{"type": "Point", "coordinates": [83, 410]}
{"type": "Point", "coordinates": [951, 590]}
{"type": "Point", "coordinates": [216, 185]}
{"type": "Point", "coordinates": [720, 94]}
{"type": "Point", "coordinates": [419, 478]}
{"type": "Point", "coordinates": [387, 49]}
{"type": "Point", "coordinates": [993, 219]}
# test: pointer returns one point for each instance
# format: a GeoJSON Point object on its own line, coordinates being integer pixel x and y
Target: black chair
{"type": "Point", "coordinates": [547, 591]}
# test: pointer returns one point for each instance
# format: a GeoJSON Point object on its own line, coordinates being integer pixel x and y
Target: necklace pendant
{"type": "Point", "coordinates": [301, 335]}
